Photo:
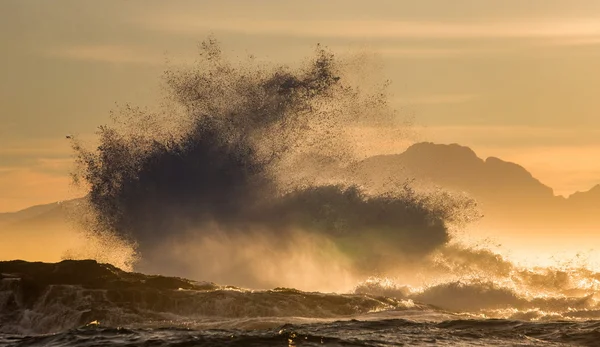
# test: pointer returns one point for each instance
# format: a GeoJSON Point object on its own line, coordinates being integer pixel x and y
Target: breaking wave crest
{"type": "Point", "coordinates": [484, 284]}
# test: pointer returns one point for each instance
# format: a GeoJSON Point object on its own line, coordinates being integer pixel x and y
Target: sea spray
{"type": "Point", "coordinates": [224, 159]}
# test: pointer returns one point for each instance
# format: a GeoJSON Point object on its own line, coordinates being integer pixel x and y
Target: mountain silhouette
{"type": "Point", "coordinates": [458, 167]}
{"type": "Point", "coordinates": [506, 192]}
{"type": "Point", "coordinates": [590, 198]}
{"type": "Point", "coordinates": [35, 232]}
{"type": "Point", "coordinates": [39, 215]}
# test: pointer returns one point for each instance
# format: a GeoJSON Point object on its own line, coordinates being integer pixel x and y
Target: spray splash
{"type": "Point", "coordinates": [225, 161]}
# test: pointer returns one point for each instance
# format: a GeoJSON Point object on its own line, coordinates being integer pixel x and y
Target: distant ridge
{"type": "Point", "coordinates": [38, 215]}
{"type": "Point", "coordinates": [503, 188]}
{"type": "Point", "coordinates": [30, 212]}
{"type": "Point", "coordinates": [458, 167]}
{"type": "Point", "coordinates": [593, 194]}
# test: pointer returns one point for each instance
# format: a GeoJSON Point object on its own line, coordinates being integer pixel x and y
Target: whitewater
{"type": "Point", "coordinates": [245, 178]}
{"type": "Point", "coordinates": [84, 303]}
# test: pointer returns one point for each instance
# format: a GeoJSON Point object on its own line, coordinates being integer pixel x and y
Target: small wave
{"type": "Point", "coordinates": [486, 299]}
{"type": "Point", "coordinates": [390, 332]}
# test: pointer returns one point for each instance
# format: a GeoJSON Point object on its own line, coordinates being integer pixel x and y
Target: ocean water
{"type": "Point", "coordinates": [83, 303]}
{"type": "Point", "coordinates": [390, 327]}
{"type": "Point", "coordinates": [365, 332]}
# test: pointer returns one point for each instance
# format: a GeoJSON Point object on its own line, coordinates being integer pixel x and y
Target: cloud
{"type": "Point", "coordinates": [382, 29]}
{"type": "Point", "coordinates": [113, 54]}
{"type": "Point", "coordinates": [24, 187]}
{"type": "Point", "coordinates": [35, 172]}
{"type": "Point", "coordinates": [436, 99]}
{"type": "Point", "coordinates": [422, 52]}
{"type": "Point", "coordinates": [44, 154]}
{"type": "Point", "coordinates": [52, 147]}
{"type": "Point", "coordinates": [511, 136]}
{"type": "Point", "coordinates": [576, 42]}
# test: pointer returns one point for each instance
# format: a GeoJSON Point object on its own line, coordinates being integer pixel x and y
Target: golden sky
{"type": "Point", "coordinates": [509, 78]}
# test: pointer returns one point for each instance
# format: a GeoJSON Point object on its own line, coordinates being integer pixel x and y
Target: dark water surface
{"type": "Point", "coordinates": [83, 303]}
{"type": "Point", "coordinates": [385, 332]}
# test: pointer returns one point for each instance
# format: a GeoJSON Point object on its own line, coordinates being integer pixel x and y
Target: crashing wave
{"type": "Point", "coordinates": [242, 152]}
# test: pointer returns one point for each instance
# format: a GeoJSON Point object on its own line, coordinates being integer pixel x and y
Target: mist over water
{"type": "Point", "coordinates": [242, 178]}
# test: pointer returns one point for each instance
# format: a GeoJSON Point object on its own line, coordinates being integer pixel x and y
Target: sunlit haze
{"type": "Point", "coordinates": [511, 79]}
{"type": "Point", "coordinates": [393, 172]}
